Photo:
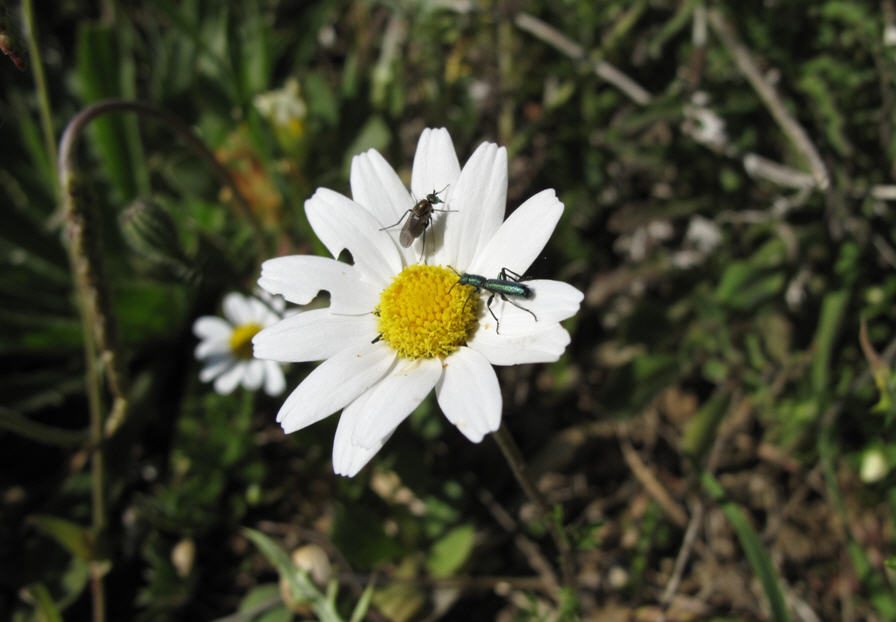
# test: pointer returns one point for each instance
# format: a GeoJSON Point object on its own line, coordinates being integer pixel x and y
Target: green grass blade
{"type": "Point", "coordinates": [833, 308]}
{"type": "Point", "coordinates": [45, 610]}
{"type": "Point", "coordinates": [298, 580]}
{"type": "Point", "coordinates": [101, 74]}
{"type": "Point", "coordinates": [17, 424]}
{"type": "Point", "coordinates": [363, 604]}
{"type": "Point", "coordinates": [749, 540]}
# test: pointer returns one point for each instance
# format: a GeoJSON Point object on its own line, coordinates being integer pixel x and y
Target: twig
{"type": "Point", "coordinates": [651, 484]}
{"type": "Point", "coordinates": [518, 467]}
{"type": "Point", "coordinates": [681, 560]}
{"type": "Point", "coordinates": [539, 563]}
{"type": "Point", "coordinates": [884, 193]}
{"type": "Point", "coordinates": [767, 93]}
{"type": "Point", "coordinates": [546, 575]}
{"type": "Point", "coordinates": [777, 173]}
{"type": "Point", "coordinates": [601, 68]}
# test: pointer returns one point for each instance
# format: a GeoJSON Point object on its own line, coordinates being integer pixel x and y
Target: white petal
{"type": "Point", "coordinates": [512, 321]}
{"type": "Point", "coordinates": [274, 382]}
{"type": "Point", "coordinates": [553, 300]}
{"type": "Point", "coordinates": [215, 366]}
{"type": "Point", "coordinates": [436, 169]}
{"type": "Point", "coordinates": [348, 459]}
{"type": "Point", "coordinates": [521, 238]}
{"type": "Point", "coordinates": [469, 394]}
{"type": "Point", "coordinates": [479, 198]}
{"type": "Point", "coordinates": [210, 326]}
{"type": "Point", "coordinates": [236, 309]}
{"type": "Point", "coordinates": [227, 381]}
{"type": "Point", "coordinates": [435, 163]}
{"type": "Point", "coordinates": [335, 383]}
{"type": "Point", "coordinates": [377, 187]}
{"type": "Point", "coordinates": [261, 313]}
{"type": "Point", "coordinates": [544, 346]}
{"type": "Point", "coordinates": [212, 347]}
{"type": "Point", "coordinates": [299, 278]}
{"type": "Point", "coordinates": [253, 375]}
{"type": "Point", "coordinates": [312, 336]}
{"type": "Point", "coordinates": [340, 223]}
{"type": "Point", "coordinates": [392, 399]}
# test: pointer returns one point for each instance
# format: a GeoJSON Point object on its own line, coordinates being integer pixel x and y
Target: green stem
{"type": "Point", "coordinates": [518, 466]}
{"type": "Point", "coordinates": [40, 83]}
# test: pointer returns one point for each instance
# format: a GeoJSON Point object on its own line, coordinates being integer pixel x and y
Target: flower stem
{"type": "Point", "coordinates": [518, 466]}
{"type": "Point", "coordinates": [101, 346]}
{"type": "Point", "coordinates": [89, 288]}
{"type": "Point", "coordinates": [92, 374]}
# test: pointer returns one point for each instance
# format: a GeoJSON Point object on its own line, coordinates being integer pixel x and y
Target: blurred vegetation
{"type": "Point", "coordinates": [719, 439]}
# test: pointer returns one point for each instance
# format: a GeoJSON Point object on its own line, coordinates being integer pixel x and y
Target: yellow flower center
{"type": "Point", "coordinates": [241, 340]}
{"type": "Point", "coordinates": [425, 312]}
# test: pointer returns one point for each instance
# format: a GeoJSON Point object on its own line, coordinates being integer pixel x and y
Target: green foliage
{"type": "Point", "coordinates": [301, 587]}
{"type": "Point", "coordinates": [732, 358]}
{"type": "Point", "coordinates": [752, 545]}
{"type": "Point", "coordinates": [450, 552]}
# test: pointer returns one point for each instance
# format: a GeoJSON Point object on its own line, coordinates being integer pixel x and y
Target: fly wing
{"type": "Point", "coordinates": [411, 231]}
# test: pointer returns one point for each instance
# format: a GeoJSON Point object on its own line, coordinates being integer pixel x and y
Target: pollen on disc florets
{"type": "Point", "coordinates": [241, 340]}
{"type": "Point", "coordinates": [425, 312]}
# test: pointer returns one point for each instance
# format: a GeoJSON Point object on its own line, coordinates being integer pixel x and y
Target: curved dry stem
{"type": "Point", "coordinates": [76, 127]}
{"type": "Point", "coordinates": [98, 322]}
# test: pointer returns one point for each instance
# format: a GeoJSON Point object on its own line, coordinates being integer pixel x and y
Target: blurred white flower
{"type": "Point", "coordinates": [703, 124]}
{"type": "Point", "coordinates": [874, 466]}
{"type": "Point", "coordinates": [396, 329]}
{"type": "Point", "coordinates": [284, 107]}
{"type": "Point", "coordinates": [225, 346]}
{"type": "Point", "coordinates": [703, 234]}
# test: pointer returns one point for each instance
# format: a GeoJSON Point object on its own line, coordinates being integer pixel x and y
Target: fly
{"type": "Point", "coordinates": [507, 284]}
{"type": "Point", "coordinates": [419, 218]}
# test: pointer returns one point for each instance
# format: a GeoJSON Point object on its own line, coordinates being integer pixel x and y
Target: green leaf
{"type": "Point", "coordinates": [400, 602]}
{"type": "Point", "coordinates": [323, 105]}
{"type": "Point", "coordinates": [263, 603]}
{"type": "Point", "coordinates": [358, 532]}
{"type": "Point", "coordinates": [700, 430]}
{"type": "Point", "coordinates": [77, 540]}
{"type": "Point", "coordinates": [100, 76]}
{"type": "Point", "coordinates": [363, 604]}
{"type": "Point", "coordinates": [73, 582]}
{"type": "Point", "coordinates": [833, 308]}
{"type": "Point", "coordinates": [255, 50]}
{"type": "Point", "coordinates": [299, 583]}
{"type": "Point", "coordinates": [45, 609]}
{"type": "Point", "coordinates": [35, 431]}
{"type": "Point", "coordinates": [451, 551]}
{"type": "Point", "coordinates": [752, 546]}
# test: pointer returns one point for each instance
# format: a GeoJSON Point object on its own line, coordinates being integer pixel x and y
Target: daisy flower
{"type": "Point", "coordinates": [225, 345]}
{"type": "Point", "coordinates": [395, 329]}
